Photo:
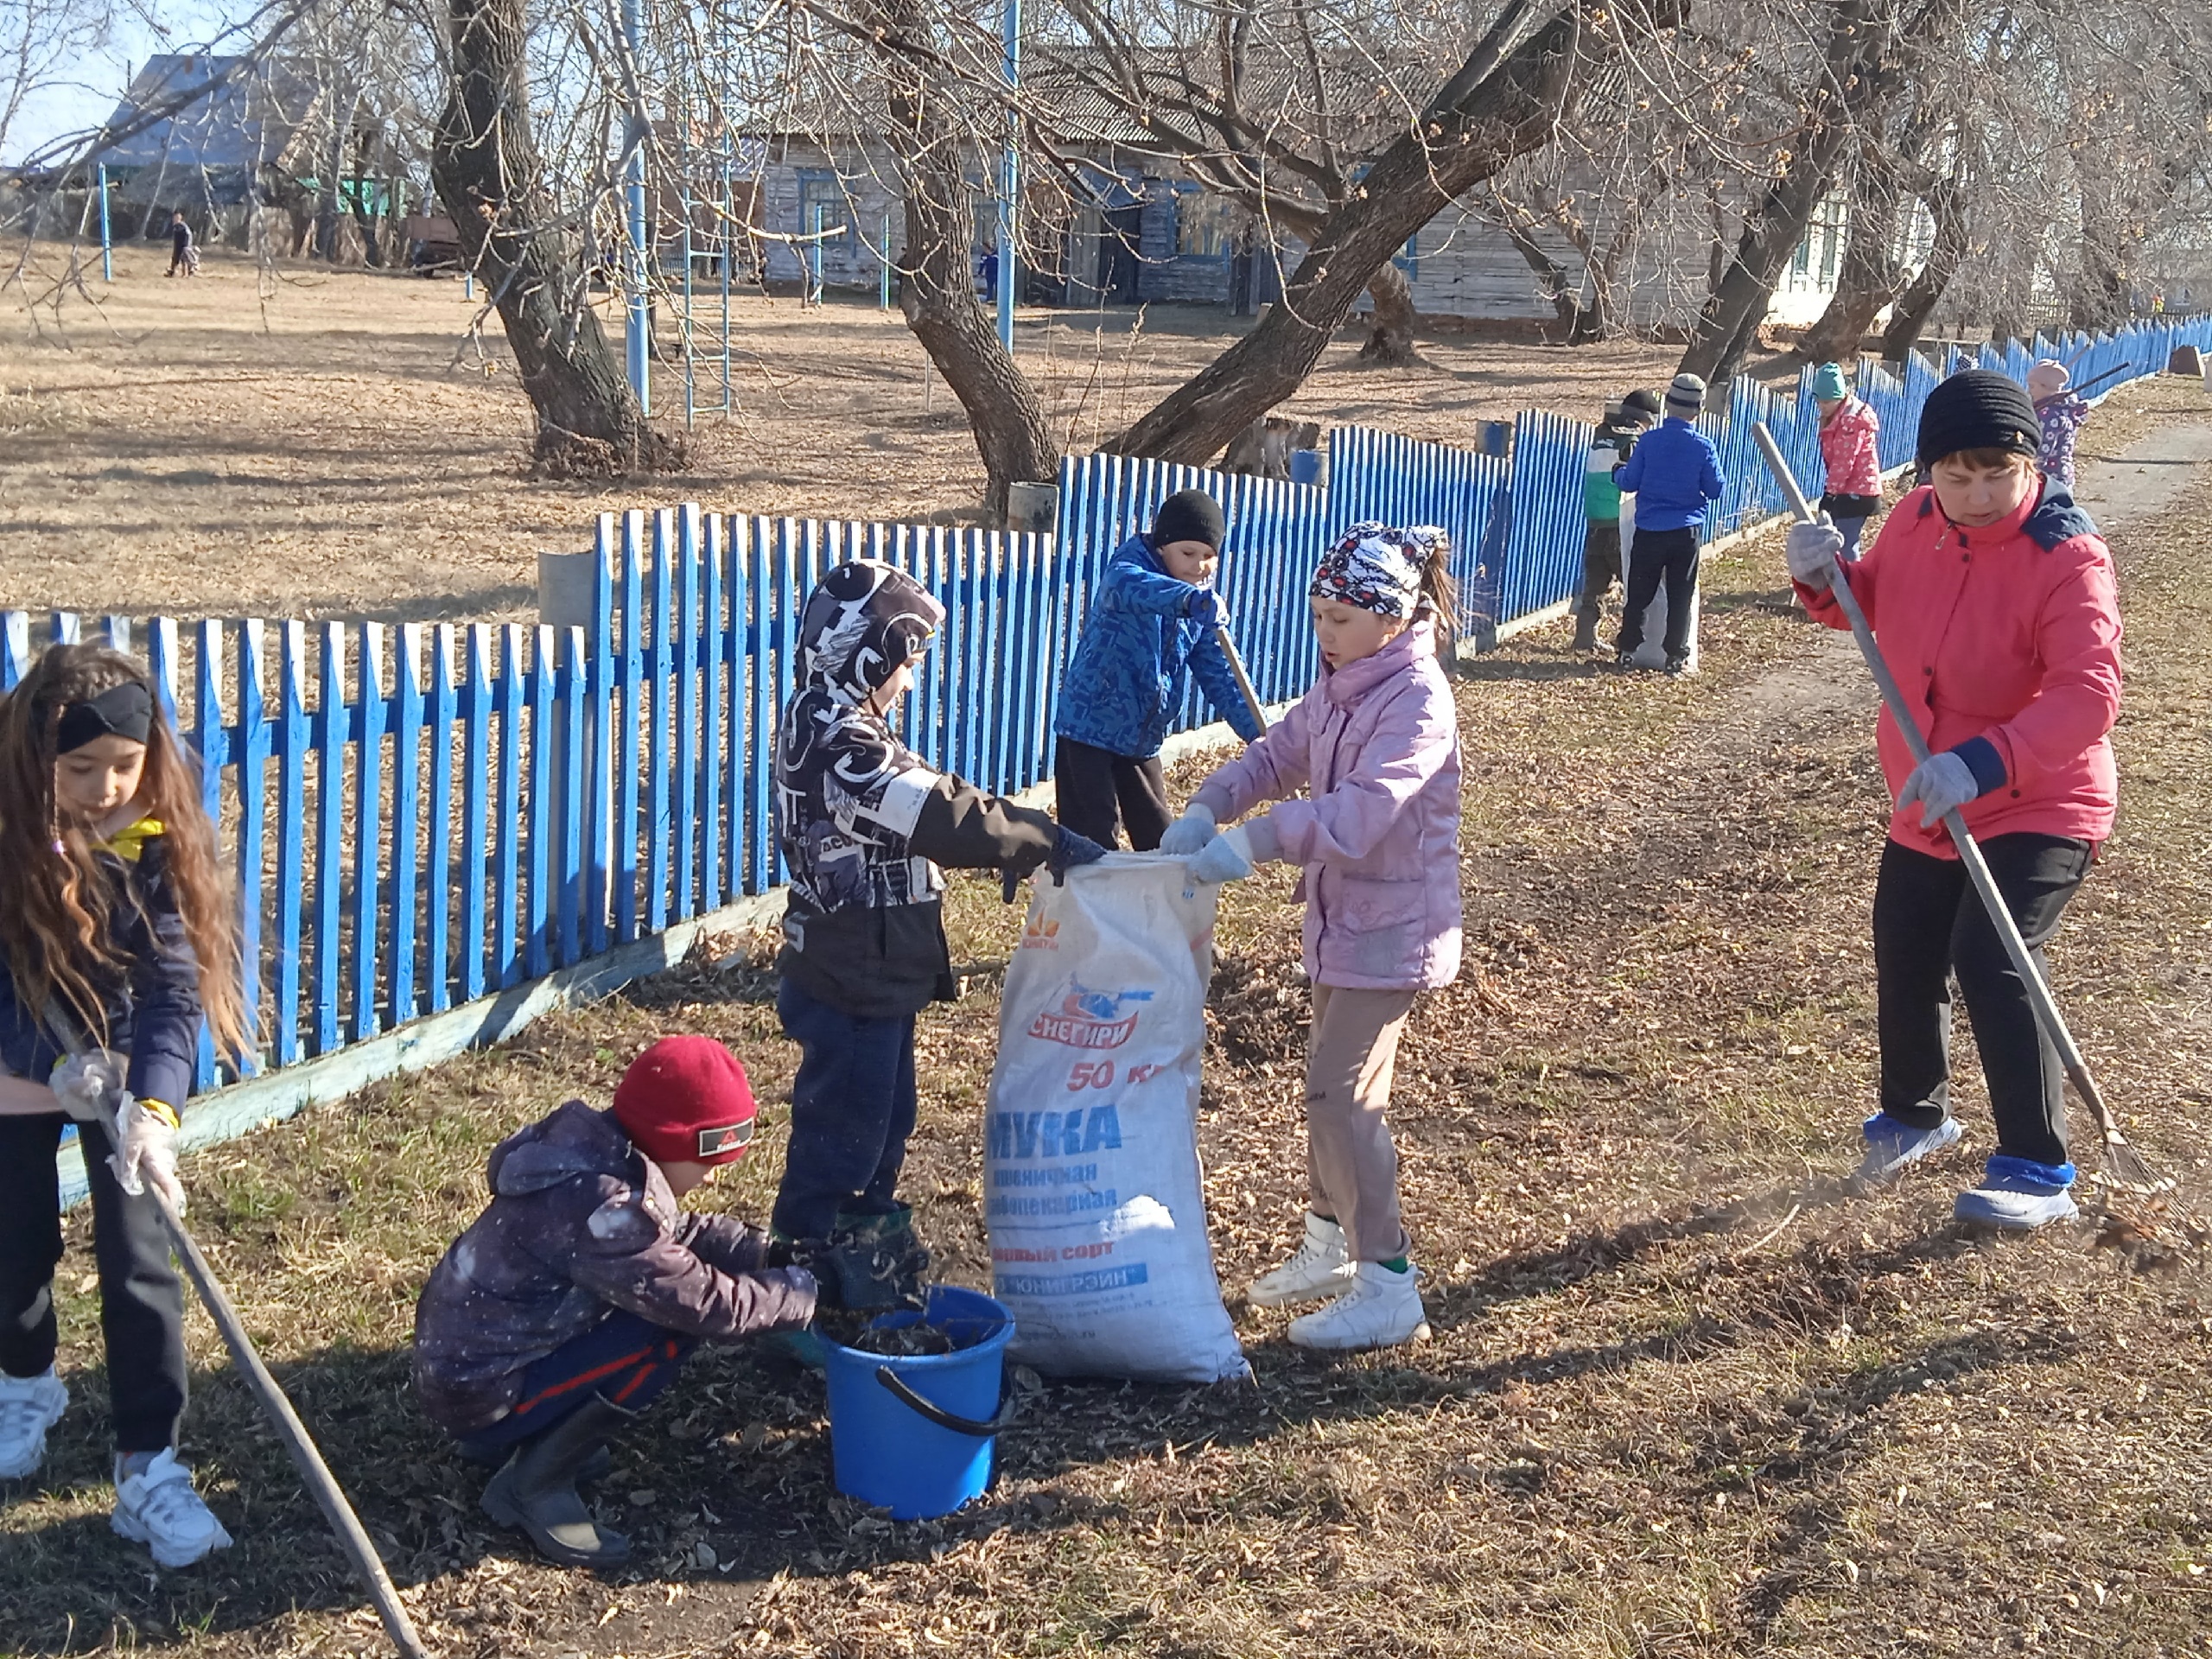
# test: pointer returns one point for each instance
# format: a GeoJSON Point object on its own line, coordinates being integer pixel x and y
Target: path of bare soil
{"type": "Point", "coordinates": [332, 444]}
{"type": "Point", "coordinates": [1685, 1397]}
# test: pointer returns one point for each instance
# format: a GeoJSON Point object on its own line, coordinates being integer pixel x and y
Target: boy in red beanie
{"type": "Point", "coordinates": [571, 1302]}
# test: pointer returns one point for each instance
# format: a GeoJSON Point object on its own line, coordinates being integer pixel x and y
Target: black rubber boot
{"type": "Point", "coordinates": [596, 1467]}
{"type": "Point", "coordinates": [878, 1261]}
{"type": "Point", "coordinates": [535, 1490]}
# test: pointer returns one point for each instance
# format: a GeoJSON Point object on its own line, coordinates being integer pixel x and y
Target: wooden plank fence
{"type": "Point", "coordinates": [425, 816]}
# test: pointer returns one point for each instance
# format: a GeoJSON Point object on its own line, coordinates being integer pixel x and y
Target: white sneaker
{"type": "Point", "coordinates": [159, 1509]}
{"type": "Point", "coordinates": [1381, 1309]}
{"type": "Point", "coordinates": [28, 1407]}
{"type": "Point", "coordinates": [1322, 1269]}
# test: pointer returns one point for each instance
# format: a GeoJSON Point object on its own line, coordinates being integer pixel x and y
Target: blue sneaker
{"type": "Point", "coordinates": [1892, 1146]}
{"type": "Point", "coordinates": [2019, 1196]}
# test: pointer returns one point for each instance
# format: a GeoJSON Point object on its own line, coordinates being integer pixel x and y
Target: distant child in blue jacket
{"type": "Point", "coordinates": [1155, 619]}
{"type": "Point", "coordinates": [1675, 474]}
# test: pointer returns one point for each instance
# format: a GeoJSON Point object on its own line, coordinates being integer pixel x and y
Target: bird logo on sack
{"type": "Point", "coordinates": [1088, 1019]}
{"type": "Point", "coordinates": [1039, 934]}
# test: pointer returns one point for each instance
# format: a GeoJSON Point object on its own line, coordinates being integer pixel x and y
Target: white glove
{"type": "Point", "coordinates": [1190, 833]}
{"type": "Point", "coordinates": [1227, 857]}
{"type": "Point", "coordinates": [1812, 551]}
{"type": "Point", "coordinates": [1942, 784]}
{"type": "Point", "coordinates": [145, 1150]}
{"type": "Point", "coordinates": [89, 1084]}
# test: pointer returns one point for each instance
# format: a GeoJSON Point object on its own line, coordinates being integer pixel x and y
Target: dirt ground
{"type": "Point", "coordinates": [1685, 1397]}
{"type": "Point", "coordinates": [335, 443]}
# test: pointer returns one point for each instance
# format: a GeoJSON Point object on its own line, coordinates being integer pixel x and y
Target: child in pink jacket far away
{"type": "Point", "coordinates": [1375, 745]}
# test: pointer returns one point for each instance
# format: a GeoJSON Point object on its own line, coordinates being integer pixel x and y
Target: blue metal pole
{"type": "Point", "coordinates": [814, 258]}
{"type": "Point", "coordinates": [633, 172]}
{"type": "Point", "coordinates": [1009, 178]}
{"type": "Point", "coordinates": [107, 248]}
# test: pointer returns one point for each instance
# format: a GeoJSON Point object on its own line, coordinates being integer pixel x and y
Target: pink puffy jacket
{"type": "Point", "coordinates": [2009, 634]}
{"type": "Point", "coordinates": [1848, 453]}
{"type": "Point", "coordinates": [1376, 746]}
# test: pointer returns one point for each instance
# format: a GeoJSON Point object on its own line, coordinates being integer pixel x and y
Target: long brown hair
{"type": "Point", "coordinates": [54, 927]}
{"type": "Point", "coordinates": [1440, 594]}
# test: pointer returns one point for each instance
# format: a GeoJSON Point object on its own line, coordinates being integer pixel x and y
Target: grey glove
{"type": "Point", "coordinates": [1942, 784]}
{"type": "Point", "coordinates": [89, 1084]}
{"type": "Point", "coordinates": [145, 1150]}
{"type": "Point", "coordinates": [1190, 833]}
{"type": "Point", "coordinates": [1812, 551]}
{"type": "Point", "coordinates": [1227, 857]}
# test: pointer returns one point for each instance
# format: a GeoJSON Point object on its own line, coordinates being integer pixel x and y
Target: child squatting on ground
{"type": "Point", "coordinates": [1376, 745]}
{"type": "Point", "coordinates": [1601, 506]}
{"type": "Point", "coordinates": [1993, 600]}
{"type": "Point", "coordinates": [1674, 475]}
{"type": "Point", "coordinates": [116, 929]}
{"type": "Point", "coordinates": [1154, 620]}
{"type": "Point", "coordinates": [1850, 456]}
{"type": "Point", "coordinates": [865, 824]}
{"type": "Point", "coordinates": [572, 1301]}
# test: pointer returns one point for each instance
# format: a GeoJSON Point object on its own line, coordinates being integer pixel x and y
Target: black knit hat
{"type": "Point", "coordinates": [1644, 403]}
{"type": "Point", "coordinates": [1189, 516]}
{"type": "Point", "coordinates": [1978, 409]}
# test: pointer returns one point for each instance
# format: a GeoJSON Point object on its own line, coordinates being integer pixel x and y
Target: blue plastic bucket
{"type": "Point", "coordinates": [887, 1452]}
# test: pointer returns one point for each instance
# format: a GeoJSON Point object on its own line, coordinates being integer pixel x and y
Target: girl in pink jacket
{"type": "Point", "coordinates": [1375, 745]}
{"type": "Point", "coordinates": [1993, 599]}
{"type": "Point", "coordinates": [1850, 455]}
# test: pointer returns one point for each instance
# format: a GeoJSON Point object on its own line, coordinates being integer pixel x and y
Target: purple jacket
{"type": "Point", "coordinates": [581, 1223]}
{"type": "Point", "coordinates": [1376, 746]}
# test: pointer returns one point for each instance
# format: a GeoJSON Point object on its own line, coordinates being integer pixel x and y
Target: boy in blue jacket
{"type": "Point", "coordinates": [1154, 620]}
{"type": "Point", "coordinates": [1675, 474]}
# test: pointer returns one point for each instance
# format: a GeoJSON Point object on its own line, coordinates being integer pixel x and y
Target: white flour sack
{"type": "Point", "coordinates": [1091, 1168]}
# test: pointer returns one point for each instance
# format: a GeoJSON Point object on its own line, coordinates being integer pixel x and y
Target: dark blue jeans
{"type": "Point", "coordinates": [852, 1109]}
{"type": "Point", "coordinates": [623, 1358]}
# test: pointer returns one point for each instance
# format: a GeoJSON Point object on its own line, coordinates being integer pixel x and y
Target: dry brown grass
{"type": "Point", "coordinates": [330, 444]}
{"type": "Point", "coordinates": [1684, 1397]}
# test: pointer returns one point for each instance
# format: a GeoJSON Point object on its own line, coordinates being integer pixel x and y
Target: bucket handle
{"type": "Point", "coordinates": [904, 1393]}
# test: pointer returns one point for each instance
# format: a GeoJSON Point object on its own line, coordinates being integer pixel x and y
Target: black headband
{"type": "Point", "coordinates": [125, 710]}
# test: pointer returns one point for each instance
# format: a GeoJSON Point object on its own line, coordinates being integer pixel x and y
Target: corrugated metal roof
{"type": "Point", "coordinates": [240, 119]}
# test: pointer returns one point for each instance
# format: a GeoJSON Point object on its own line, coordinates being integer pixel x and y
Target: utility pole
{"type": "Point", "coordinates": [1009, 178]}
{"type": "Point", "coordinates": [639, 336]}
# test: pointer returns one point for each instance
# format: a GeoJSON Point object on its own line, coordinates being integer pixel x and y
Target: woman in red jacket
{"type": "Point", "coordinates": [1993, 598]}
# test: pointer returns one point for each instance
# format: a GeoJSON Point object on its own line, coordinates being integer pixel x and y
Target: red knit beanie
{"type": "Point", "coordinates": [685, 1100]}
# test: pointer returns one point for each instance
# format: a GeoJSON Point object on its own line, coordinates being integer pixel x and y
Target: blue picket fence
{"type": "Point", "coordinates": [424, 815]}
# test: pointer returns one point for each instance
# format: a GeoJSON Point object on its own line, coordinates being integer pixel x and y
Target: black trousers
{"type": "Point", "coordinates": [142, 1300]}
{"type": "Point", "coordinates": [1094, 789]}
{"type": "Point", "coordinates": [1929, 926]}
{"type": "Point", "coordinates": [1601, 569]}
{"type": "Point", "coordinates": [1656, 556]}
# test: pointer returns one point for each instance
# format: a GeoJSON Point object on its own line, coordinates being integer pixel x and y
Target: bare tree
{"type": "Point", "coordinates": [494, 182]}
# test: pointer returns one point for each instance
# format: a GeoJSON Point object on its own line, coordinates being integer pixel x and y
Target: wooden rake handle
{"type": "Point", "coordinates": [1243, 680]}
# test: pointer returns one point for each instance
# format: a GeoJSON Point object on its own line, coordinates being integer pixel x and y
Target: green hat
{"type": "Point", "coordinates": [1827, 384]}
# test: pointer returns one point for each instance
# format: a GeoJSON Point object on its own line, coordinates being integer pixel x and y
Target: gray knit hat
{"type": "Point", "coordinates": [1686, 397]}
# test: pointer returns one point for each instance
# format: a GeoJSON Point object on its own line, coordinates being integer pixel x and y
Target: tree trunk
{"type": "Point", "coordinates": [1504, 113]}
{"type": "Point", "coordinates": [491, 180]}
{"type": "Point", "coordinates": [1947, 205]}
{"type": "Point", "coordinates": [1870, 277]}
{"type": "Point", "coordinates": [1551, 275]}
{"type": "Point", "coordinates": [1854, 83]}
{"type": "Point", "coordinates": [934, 288]}
{"type": "Point", "coordinates": [1390, 341]}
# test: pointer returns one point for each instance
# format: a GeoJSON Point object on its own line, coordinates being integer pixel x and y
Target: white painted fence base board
{"type": "Point", "coordinates": [227, 1113]}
